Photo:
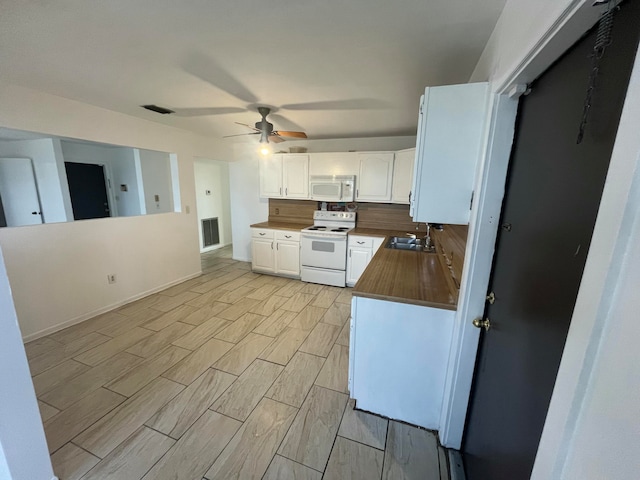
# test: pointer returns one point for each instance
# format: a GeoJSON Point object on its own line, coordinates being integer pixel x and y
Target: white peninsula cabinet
{"type": "Point", "coordinates": [361, 251]}
{"type": "Point", "coordinates": [275, 251]}
{"type": "Point", "coordinates": [284, 176]}
{"type": "Point", "coordinates": [373, 183]}
{"type": "Point", "coordinates": [398, 357]}
{"type": "Point", "coordinates": [451, 128]}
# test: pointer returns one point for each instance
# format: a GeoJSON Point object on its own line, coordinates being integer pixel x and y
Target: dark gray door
{"type": "Point", "coordinates": [554, 188]}
{"type": "Point", "coordinates": [88, 190]}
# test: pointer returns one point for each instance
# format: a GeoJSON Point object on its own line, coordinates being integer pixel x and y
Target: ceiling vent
{"type": "Point", "coordinates": [157, 109]}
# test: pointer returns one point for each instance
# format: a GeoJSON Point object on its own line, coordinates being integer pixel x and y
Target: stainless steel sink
{"type": "Point", "coordinates": [406, 243]}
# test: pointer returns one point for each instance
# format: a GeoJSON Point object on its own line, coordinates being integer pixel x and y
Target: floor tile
{"type": "Point", "coordinates": [294, 383]}
{"type": "Point", "coordinates": [166, 319]}
{"type": "Point", "coordinates": [81, 329]}
{"type": "Point", "coordinates": [312, 288]}
{"type": "Point", "coordinates": [140, 376]}
{"type": "Point", "coordinates": [151, 345]}
{"type": "Point", "coordinates": [363, 427]}
{"type": "Point", "coordinates": [200, 334]}
{"type": "Point", "coordinates": [128, 322]}
{"type": "Point", "coordinates": [216, 282]}
{"type": "Point", "coordinates": [197, 449]}
{"type": "Point", "coordinates": [314, 430]}
{"type": "Point", "coordinates": [269, 306]}
{"type": "Point", "coordinates": [297, 302]}
{"type": "Point", "coordinates": [325, 298]}
{"type": "Point", "coordinates": [321, 339]}
{"type": "Point", "coordinates": [264, 292]}
{"type": "Point", "coordinates": [76, 388]}
{"type": "Point", "coordinates": [233, 295]}
{"type": "Point", "coordinates": [284, 469]}
{"type": "Point", "coordinates": [112, 429]}
{"type": "Point", "coordinates": [58, 375]}
{"type": "Point", "coordinates": [344, 297]}
{"type": "Point", "coordinates": [335, 372]}
{"type": "Point", "coordinates": [164, 303]}
{"type": "Point", "coordinates": [444, 463]}
{"type": "Point", "coordinates": [259, 282]}
{"type": "Point", "coordinates": [243, 396]}
{"type": "Point", "coordinates": [180, 413]}
{"type": "Point", "coordinates": [196, 363]}
{"type": "Point", "coordinates": [308, 318]}
{"type": "Point", "coordinates": [337, 314]}
{"type": "Point", "coordinates": [238, 309]}
{"type": "Point", "coordinates": [47, 411]}
{"type": "Point", "coordinates": [284, 346]}
{"type": "Point", "coordinates": [411, 453]}
{"type": "Point", "coordinates": [274, 324]}
{"type": "Point", "coordinates": [240, 328]}
{"type": "Point", "coordinates": [108, 349]}
{"type": "Point", "coordinates": [181, 287]}
{"type": "Point", "coordinates": [70, 422]}
{"type": "Point", "coordinates": [40, 346]}
{"type": "Point", "coordinates": [237, 359]}
{"type": "Point", "coordinates": [250, 451]}
{"type": "Point", "coordinates": [134, 307]}
{"type": "Point", "coordinates": [290, 289]}
{"type": "Point", "coordinates": [239, 282]}
{"type": "Point", "coordinates": [204, 313]}
{"type": "Point", "coordinates": [343, 338]}
{"type": "Point", "coordinates": [72, 462]}
{"type": "Point", "coordinates": [58, 355]}
{"type": "Point", "coordinates": [133, 457]}
{"type": "Point", "coordinates": [353, 461]}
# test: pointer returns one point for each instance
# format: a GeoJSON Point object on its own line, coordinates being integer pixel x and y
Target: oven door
{"type": "Point", "coordinates": [323, 252]}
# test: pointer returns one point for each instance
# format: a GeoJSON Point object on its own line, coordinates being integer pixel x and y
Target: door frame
{"type": "Point", "coordinates": [575, 20]}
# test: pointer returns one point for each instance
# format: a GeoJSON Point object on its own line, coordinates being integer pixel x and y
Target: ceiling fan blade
{"type": "Point", "coordinates": [284, 133]}
{"type": "Point", "coordinates": [248, 126]}
{"type": "Point", "coordinates": [241, 134]}
{"type": "Point", "coordinates": [353, 104]}
{"type": "Point", "coordinates": [206, 69]}
{"type": "Point", "coordinates": [197, 112]}
{"type": "Point", "coordinates": [275, 138]}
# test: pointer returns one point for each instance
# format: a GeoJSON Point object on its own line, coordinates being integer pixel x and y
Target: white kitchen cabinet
{"type": "Point", "coordinates": [451, 127]}
{"type": "Point", "coordinates": [271, 177]}
{"type": "Point", "coordinates": [375, 177]}
{"type": "Point", "coordinates": [284, 176]}
{"type": "Point", "coordinates": [403, 176]}
{"type": "Point", "coordinates": [275, 251]}
{"type": "Point", "coordinates": [360, 252]}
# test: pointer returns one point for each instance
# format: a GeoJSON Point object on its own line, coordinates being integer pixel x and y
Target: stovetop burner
{"type": "Point", "coordinates": [340, 229]}
{"type": "Point", "coordinates": [316, 228]}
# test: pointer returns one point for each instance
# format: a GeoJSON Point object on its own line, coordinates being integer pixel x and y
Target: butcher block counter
{"type": "Point", "coordinates": [282, 225]}
{"type": "Point", "coordinates": [419, 278]}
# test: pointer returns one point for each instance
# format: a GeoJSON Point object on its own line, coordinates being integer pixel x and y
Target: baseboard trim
{"type": "Point", "coordinates": [240, 259]}
{"type": "Point", "coordinates": [108, 308]}
{"type": "Point", "coordinates": [456, 467]}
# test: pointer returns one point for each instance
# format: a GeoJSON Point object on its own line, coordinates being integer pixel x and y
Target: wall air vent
{"type": "Point", "coordinates": [157, 109]}
{"type": "Point", "coordinates": [210, 232]}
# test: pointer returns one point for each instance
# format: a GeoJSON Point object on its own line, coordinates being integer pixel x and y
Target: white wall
{"type": "Point", "coordinates": [45, 154]}
{"type": "Point", "coordinates": [58, 271]}
{"type": "Point", "coordinates": [23, 449]}
{"type": "Point", "coordinates": [156, 180]}
{"type": "Point", "coordinates": [244, 178]}
{"type": "Point", "coordinates": [213, 176]}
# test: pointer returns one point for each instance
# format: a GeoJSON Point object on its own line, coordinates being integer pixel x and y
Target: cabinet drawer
{"type": "Point", "coordinates": [287, 235]}
{"type": "Point", "coordinates": [262, 233]}
{"type": "Point", "coordinates": [363, 242]}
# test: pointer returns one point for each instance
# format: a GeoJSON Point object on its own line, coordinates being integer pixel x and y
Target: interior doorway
{"type": "Point", "coordinates": [213, 204]}
{"type": "Point", "coordinates": [19, 192]}
{"type": "Point", "coordinates": [553, 193]}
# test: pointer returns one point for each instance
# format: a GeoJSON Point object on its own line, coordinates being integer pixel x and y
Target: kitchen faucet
{"type": "Point", "coordinates": [428, 245]}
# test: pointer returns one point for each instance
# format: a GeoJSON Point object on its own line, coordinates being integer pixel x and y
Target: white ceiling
{"type": "Point", "coordinates": [374, 57]}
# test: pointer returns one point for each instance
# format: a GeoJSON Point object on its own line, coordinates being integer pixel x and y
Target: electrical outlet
{"type": "Point", "coordinates": [111, 278]}
{"type": "Point", "coordinates": [277, 211]}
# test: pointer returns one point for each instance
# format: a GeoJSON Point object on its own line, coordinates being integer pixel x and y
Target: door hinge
{"type": "Point", "coordinates": [471, 202]}
{"type": "Point", "coordinates": [491, 298]}
{"type": "Point", "coordinates": [506, 227]}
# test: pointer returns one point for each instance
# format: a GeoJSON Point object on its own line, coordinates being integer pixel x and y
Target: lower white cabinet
{"type": "Point", "coordinates": [275, 251]}
{"type": "Point", "coordinates": [360, 253]}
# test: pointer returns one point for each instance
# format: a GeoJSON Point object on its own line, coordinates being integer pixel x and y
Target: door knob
{"type": "Point", "coordinates": [480, 323]}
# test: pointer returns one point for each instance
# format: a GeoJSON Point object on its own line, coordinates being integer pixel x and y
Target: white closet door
{"type": "Point", "coordinates": [19, 192]}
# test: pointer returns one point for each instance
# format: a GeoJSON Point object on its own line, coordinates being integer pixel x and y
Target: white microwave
{"type": "Point", "coordinates": [332, 188]}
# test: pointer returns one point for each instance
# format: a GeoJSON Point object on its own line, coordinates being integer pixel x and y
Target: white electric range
{"type": "Point", "coordinates": [323, 248]}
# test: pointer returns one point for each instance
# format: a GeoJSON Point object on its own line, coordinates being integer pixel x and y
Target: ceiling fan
{"type": "Point", "coordinates": [266, 131]}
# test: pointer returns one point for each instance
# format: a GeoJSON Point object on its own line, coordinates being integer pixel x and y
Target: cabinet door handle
{"type": "Point", "coordinates": [357, 192]}
{"type": "Point", "coordinates": [409, 196]}
{"type": "Point", "coordinates": [287, 236]}
{"type": "Point", "coordinates": [277, 246]}
{"type": "Point", "coordinates": [263, 234]}
{"type": "Point", "coordinates": [280, 191]}
{"type": "Point", "coordinates": [349, 253]}
{"type": "Point", "coordinates": [286, 191]}
{"type": "Point", "coordinates": [271, 245]}
{"type": "Point", "coordinates": [359, 243]}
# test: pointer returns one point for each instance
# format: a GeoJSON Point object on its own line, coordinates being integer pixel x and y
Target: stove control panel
{"type": "Point", "coordinates": [337, 216]}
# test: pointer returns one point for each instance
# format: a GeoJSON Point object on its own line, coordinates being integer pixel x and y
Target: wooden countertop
{"type": "Point", "coordinates": [418, 278]}
{"type": "Point", "coordinates": [282, 225]}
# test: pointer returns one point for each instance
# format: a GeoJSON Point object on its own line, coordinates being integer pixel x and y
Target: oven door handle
{"type": "Point", "coordinates": [328, 239]}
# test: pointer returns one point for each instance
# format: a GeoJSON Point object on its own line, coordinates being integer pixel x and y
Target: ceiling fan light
{"type": "Point", "coordinates": [265, 149]}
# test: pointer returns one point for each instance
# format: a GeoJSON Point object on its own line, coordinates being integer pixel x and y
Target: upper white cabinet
{"type": "Point", "coordinates": [373, 183]}
{"type": "Point", "coordinates": [403, 176]}
{"type": "Point", "coordinates": [451, 127]}
{"type": "Point", "coordinates": [284, 176]}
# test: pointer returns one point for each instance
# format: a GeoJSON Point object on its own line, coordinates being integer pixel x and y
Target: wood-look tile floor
{"type": "Point", "coordinates": [231, 375]}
